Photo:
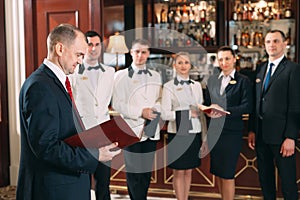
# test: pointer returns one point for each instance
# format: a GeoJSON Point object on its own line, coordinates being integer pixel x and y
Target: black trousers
{"type": "Point", "coordinates": [102, 178]}
{"type": "Point", "coordinates": [268, 155]}
{"type": "Point", "coordinates": [139, 162]}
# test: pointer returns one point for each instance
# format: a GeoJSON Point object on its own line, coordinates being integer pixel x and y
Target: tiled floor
{"type": "Point", "coordinates": [126, 197]}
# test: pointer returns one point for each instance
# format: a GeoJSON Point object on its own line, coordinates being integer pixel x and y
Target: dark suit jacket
{"type": "Point", "coordinates": [49, 168]}
{"type": "Point", "coordinates": [278, 107]}
{"type": "Point", "coordinates": [237, 99]}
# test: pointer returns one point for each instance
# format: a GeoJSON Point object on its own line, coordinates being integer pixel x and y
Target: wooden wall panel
{"type": "Point", "coordinates": [41, 16]}
{"type": "Point", "coordinates": [52, 13]}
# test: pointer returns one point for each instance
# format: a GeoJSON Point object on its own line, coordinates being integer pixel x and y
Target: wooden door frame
{"type": "Point", "coordinates": [4, 130]}
{"type": "Point", "coordinates": [95, 23]}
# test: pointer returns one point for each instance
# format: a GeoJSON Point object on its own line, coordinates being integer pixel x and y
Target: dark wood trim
{"type": "Point", "coordinates": [96, 20]}
{"type": "Point", "coordinates": [30, 53]}
{"type": "Point", "coordinates": [221, 25]}
{"type": "Point", "coordinates": [4, 133]}
{"type": "Point", "coordinates": [129, 17]}
{"type": "Point", "coordinates": [108, 3]}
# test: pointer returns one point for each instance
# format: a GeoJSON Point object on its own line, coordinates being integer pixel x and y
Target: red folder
{"type": "Point", "coordinates": [114, 130]}
{"type": "Point", "coordinates": [208, 110]}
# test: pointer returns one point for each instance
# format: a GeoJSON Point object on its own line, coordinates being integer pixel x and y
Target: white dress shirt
{"type": "Point", "coordinates": [225, 80]}
{"type": "Point", "coordinates": [132, 94]}
{"type": "Point", "coordinates": [180, 97]}
{"type": "Point", "coordinates": [92, 92]}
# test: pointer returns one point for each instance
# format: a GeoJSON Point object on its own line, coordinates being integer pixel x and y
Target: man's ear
{"type": "Point", "coordinates": [59, 48]}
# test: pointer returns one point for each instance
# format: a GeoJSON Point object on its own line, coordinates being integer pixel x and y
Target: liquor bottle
{"type": "Point", "coordinates": [191, 14]}
{"type": "Point", "coordinates": [288, 13]}
{"type": "Point", "coordinates": [161, 39]}
{"type": "Point", "coordinates": [255, 14]}
{"type": "Point", "coordinates": [267, 13]}
{"type": "Point", "coordinates": [251, 33]}
{"type": "Point", "coordinates": [198, 36]}
{"type": "Point", "coordinates": [239, 13]}
{"type": "Point", "coordinates": [261, 16]}
{"type": "Point", "coordinates": [177, 15]}
{"type": "Point", "coordinates": [185, 16]}
{"type": "Point", "coordinates": [181, 39]}
{"type": "Point", "coordinates": [278, 9]}
{"type": "Point", "coordinates": [169, 39]}
{"type": "Point", "coordinates": [288, 37]}
{"type": "Point", "coordinates": [188, 42]}
{"type": "Point", "coordinates": [197, 14]}
{"type": "Point", "coordinates": [245, 37]}
{"type": "Point", "coordinates": [238, 37]}
{"type": "Point", "coordinates": [234, 15]}
{"type": "Point", "coordinates": [245, 12]}
{"type": "Point", "coordinates": [171, 16]}
{"type": "Point", "coordinates": [205, 38]}
{"type": "Point", "coordinates": [203, 11]}
{"type": "Point", "coordinates": [163, 15]}
{"type": "Point", "coordinates": [258, 37]}
{"type": "Point", "coordinates": [249, 12]}
{"type": "Point", "coordinates": [211, 10]}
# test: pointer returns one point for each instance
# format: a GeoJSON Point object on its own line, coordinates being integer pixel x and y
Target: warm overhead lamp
{"type": "Point", "coordinates": [262, 4]}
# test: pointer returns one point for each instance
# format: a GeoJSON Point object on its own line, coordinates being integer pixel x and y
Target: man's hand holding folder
{"type": "Point", "coordinates": [114, 130]}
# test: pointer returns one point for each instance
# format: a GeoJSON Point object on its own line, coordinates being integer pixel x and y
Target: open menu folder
{"type": "Point", "coordinates": [209, 109]}
{"type": "Point", "coordinates": [114, 130]}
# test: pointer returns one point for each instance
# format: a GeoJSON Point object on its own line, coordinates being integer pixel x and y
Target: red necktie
{"type": "Point", "coordinates": [69, 89]}
{"type": "Point", "coordinates": [76, 113]}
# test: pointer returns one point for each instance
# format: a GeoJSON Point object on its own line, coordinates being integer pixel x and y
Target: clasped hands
{"type": "Point", "coordinates": [149, 113]}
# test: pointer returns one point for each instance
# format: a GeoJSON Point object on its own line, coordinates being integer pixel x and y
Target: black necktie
{"type": "Point", "coordinates": [268, 76]}
{"type": "Point", "coordinates": [182, 82]}
{"type": "Point", "coordinates": [96, 68]}
{"type": "Point", "coordinates": [144, 71]}
{"type": "Point", "coordinates": [176, 82]}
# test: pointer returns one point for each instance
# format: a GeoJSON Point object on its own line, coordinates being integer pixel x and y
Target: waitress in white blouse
{"type": "Point", "coordinates": [179, 101]}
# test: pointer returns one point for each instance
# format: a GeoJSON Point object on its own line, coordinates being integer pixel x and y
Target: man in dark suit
{"type": "Point", "coordinates": [276, 119]}
{"type": "Point", "coordinates": [50, 169]}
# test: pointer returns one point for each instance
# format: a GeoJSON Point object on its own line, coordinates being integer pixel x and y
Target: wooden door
{"type": "Point", "coordinates": [41, 16]}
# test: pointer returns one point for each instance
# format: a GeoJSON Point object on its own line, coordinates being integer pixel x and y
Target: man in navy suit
{"type": "Point", "coordinates": [276, 119]}
{"type": "Point", "coordinates": [50, 169]}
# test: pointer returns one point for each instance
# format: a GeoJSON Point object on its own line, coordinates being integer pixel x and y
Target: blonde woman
{"type": "Point", "coordinates": [179, 100]}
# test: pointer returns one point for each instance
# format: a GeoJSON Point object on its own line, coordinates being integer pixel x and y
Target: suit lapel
{"type": "Point", "coordinates": [218, 84]}
{"type": "Point", "coordinates": [260, 80]}
{"type": "Point", "coordinates": [281, 66]}
{"type": "Point", "coordinates": [48, 71]}
{"type": "Point", "coordinates": [231, 84]}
